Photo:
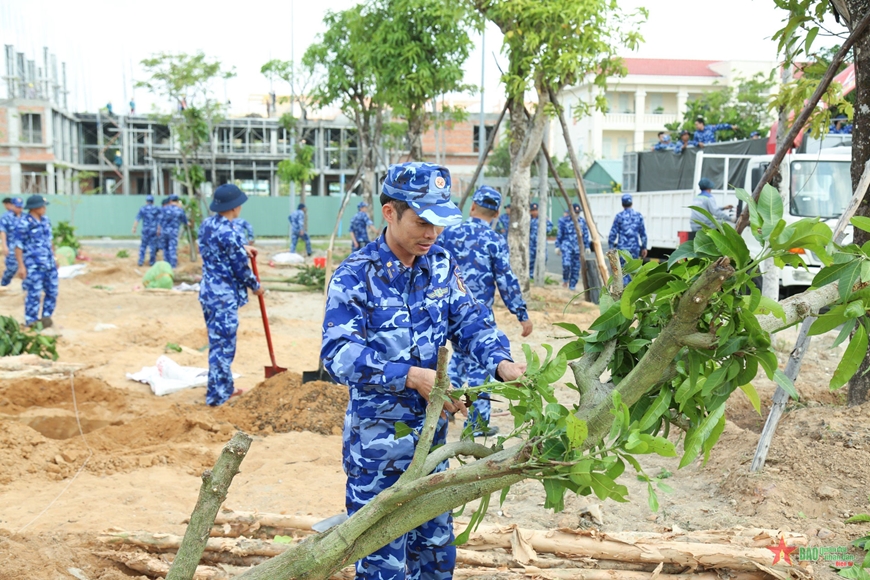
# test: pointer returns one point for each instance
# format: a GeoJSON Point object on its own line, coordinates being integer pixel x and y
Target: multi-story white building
{"type": "Point", "coordinates": [654, 92]}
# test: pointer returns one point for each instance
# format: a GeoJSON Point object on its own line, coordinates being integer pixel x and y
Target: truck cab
{"type": "Point", "coordinates": [812, 185]}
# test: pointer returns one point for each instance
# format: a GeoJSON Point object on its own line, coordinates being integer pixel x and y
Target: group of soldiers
{"type": "Point", "coordinates": [160, 228]}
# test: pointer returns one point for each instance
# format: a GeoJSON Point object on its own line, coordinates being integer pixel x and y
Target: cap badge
{"type": "Point", "coordinates": [440, 182]}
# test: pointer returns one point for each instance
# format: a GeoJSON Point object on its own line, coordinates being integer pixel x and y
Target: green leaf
{"type": "Point", "coordinates": [714, 437]}
{"type": "Point", "coordinates": [860, 222]}
{"type": "Point", "coordinates": [830, 273]}
{"type": "Point", "coordinates": [576, 430]}
{"type": "Point", "coordinates": [865, 271]}
{"type": "Point", "coordinates": [851, 358]}
{"type": "Point", "coordinates": [610, 319]}
{"type": "Point", "coordinates": [652, 498]}
{"type": "Point", "coordinates": [829, 321]}
{"type": "Point", "coordinates": [570, 327]}
{"type": "Point", "coordinates": [752, 395]}
{"type": "Point", "coordinates": [848, 278]}
{"type": "Point", "coordinates": [555, 369]}
{"type": "Point", "coordinates": [282, 540]}
{"type": "Point", "coordinates": [686, 250]}
{"type": "Point", "coordinates": [860, 517]}
{"type": "Point", "coordinates": [781, 379]}
{"type": "Point", "coordinates": [704, 245]}
{"type": "Point", "coordinates": [811, 36]}
{"type": "Point", "coordinates": [855, 309]}
{"type": "Point", "coordinates": [555, 491]}
{"type": "Point", "coordinates": [716, 378]}
{"type": "Point", "coordinates": [769, 209]}
{"type": "Point", "coordinates": [402, 430]}
{"type": "Point", "coordinates": [768, 361]}
{"type": "Point", "coordinates": [845, 332]}
{"type": "Point", "coordinates": [754, 216]}
{"type": "Point", "coordinates": [770, 305]}
{"type": "Point", "coordinates": [658, 408]}
{"type": "Point", "coordinates": [695, 440]}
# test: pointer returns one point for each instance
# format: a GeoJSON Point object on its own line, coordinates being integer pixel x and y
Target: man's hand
{"type": "Point", "coordinates": [259, 291]}
{"type": "Point", "coordinates": [643, 253]}
{"type": "Point", "coordinates": [251, 251]}
{"type": "Point", "coordinates": [728, 207]}
{"type": "Point", "coordinates": [558, 251]}
{"type": "Point", "coordinates": [4, 250]}
{"type": "Point", "coordinates": [527, 327]}
{"type": "Point", "coordinates": [133, 230]}
{"type": "Point", "coordinates": [423, 380]}
{"type": "Point", "coordinates": [510, 371]}
{"type": "Point", "coordinates": [22, 272]}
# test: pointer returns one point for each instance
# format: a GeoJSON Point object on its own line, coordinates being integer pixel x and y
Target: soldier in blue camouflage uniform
{"type": "Point", "coordinates": [504, 221]}
{"type": "Point", "coordinates": [244, 228]}
{"type": "Point", "coordinates": [628, 232]}
{"type": "Point", "coordinates": [170, 223]}
{"type": "Point", "coordinates": [8, 225]}
{"type": "Point", "coordinates": [482, 256]}
{"type": "Point", "coordinates": [34, 252]}
{"type": "Point", "coordinates": [226, 277]}
{"type": "Point", "coordinates": [359, 227]}
{"type": "Point", "coordinates": [567, 244]}
{"type": "Point", "coordinates": [149, 216]}
{"type": "Point", "coordinates": [705, 134]}
{"type": "Point", "coordinates": [161, 237]}
{"type": "Point", "coordinates": [297, 225]}
{"type": "Point", "coordinates": [533, 238]}
{"type": "Point", "coordinates": [390, 306]}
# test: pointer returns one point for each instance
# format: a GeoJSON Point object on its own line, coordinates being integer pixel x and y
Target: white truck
{"type": "Point", "coordinates": [813, 184]}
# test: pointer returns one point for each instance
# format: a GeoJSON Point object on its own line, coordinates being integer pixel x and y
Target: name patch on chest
{"type": "Point", "coordinates": [436, 293]}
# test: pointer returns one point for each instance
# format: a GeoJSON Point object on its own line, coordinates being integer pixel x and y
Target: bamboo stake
{"type": "Point", "coordinates": [581, 188]}
{"type": "Point", "coordinates": [153, 566]}
{"type": "Point", "coordinates": [212, 493]}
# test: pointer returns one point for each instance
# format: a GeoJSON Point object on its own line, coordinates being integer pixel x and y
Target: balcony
{"type": "Point", "coordinates": [629, 121]}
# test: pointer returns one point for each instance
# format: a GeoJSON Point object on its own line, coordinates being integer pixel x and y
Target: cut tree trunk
{"type": "Point", "coordinates": [543, 212]}
{"type": "Point", "coordinates": [153, 566]}
{"type": "Point", "coordinates": [212, 493]}
{"type": "Point", "coordinates": [241, 547]}
{"type": "Point", "coordinates": [575, 574]}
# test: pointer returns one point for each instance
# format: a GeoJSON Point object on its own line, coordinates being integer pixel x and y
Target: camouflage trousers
{"type": "Point", "coordinates": [464, 369]}
{"type": "Point", "coordinates": [294, 240]}
{"type": "Point", "coordinates": [11, 269]}
{"type": "Point", "coordinates": [149, 241]}
{"type": "Point", "coordinates": [222, 323]}
{"type": "Point", "coordinates": [170, 248]}
{"type": "Point", "coordinates": [570, 265]}
{"type": "Point", "coordinates": [533, 254]}
{"type": "Point", "coordinates": [424, 553]}
{"type": "Point", "coordinates": [39, 281]}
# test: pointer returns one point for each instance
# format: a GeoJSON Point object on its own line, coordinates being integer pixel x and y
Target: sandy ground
{"type": "Point", "coordinates": [139, 461]}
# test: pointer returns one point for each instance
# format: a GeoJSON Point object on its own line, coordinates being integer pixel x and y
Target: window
{"type": "Point", "coordinates": [476, 136]}
{"type": "Point", "coordinates": [656, 103]}
{"type": "Point", "coordinates": [625, 104]}
{"type": "Point", "coordinates": [606, 147]}
{"type": "Point", "coordinates": [621, 147]}
{"type": "Point", "coordinates": [31, 128]}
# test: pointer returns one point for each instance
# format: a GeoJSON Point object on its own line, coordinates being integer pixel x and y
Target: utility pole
{"type": "Point", "coordinates": [481, 136]}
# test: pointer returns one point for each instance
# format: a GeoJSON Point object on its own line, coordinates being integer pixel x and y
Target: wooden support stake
{"type": "Point", "coordinates": [482, 162]}
{"type": "Point", "coordinates": [344, 201]}
{"type": "Point", "coordinates": [212, 493]}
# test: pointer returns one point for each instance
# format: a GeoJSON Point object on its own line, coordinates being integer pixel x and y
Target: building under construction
{"type": "Point", "coordinates": [44, 148]}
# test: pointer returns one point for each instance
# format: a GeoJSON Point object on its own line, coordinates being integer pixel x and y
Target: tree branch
{"type": "Point", "coordinates": [616, 285]}
{"type": "Point", "coordinates": [465, 447]}
{"type": "Point", "coordinates": [700, 340]}
{"type": "Point", "coordinates": [437, 397]}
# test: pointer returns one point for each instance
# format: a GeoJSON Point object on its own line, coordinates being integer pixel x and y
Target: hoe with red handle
{"type": "Point", "coordinates": [274, 369]}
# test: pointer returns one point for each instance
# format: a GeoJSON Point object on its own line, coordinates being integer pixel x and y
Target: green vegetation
{"type": "Point", "coordinates": [15, 340]}
{"type": "Point", "coordinates": [64, 234]}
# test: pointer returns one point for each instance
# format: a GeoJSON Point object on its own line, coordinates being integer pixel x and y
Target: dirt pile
{"type": "Point", "coordinates": [283, 403]}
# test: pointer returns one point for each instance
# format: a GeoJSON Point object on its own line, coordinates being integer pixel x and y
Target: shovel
{"type": "Point", "coordinates": [274, 369]}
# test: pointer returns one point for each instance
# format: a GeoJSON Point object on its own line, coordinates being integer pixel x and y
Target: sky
{"type": "Point", "coordinates": [103, 42]}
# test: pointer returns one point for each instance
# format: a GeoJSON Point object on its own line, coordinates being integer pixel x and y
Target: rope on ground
{"type": "Point", "coordinates": [88, 458]}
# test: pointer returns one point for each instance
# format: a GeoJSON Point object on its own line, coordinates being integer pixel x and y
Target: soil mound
{"type": "Point", "coordinates": [283, 403]}
{"type": "Point", "coordinates": [20, 394]}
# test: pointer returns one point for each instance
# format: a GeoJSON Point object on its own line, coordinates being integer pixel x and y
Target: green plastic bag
{"type": "Point", "coordinates": [159, 276]}
{"type": "Point", "coordinates": [65, 255]}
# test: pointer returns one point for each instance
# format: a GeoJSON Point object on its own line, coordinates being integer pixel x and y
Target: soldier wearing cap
{"type": "Point", "coordinates": [482, 255]}
{"type": "Point", "coordinates": [170, 223]}
{"type": "Point", "coordinates": [161, 237]}
{"type": "Point", "coordinates": [149, 216]}
{"type": "Point", "coordinates": [359, 227]}
{"type": "Point", "coordinates": [297, 226]}
{"type": "Point", "coordinates": [705, 201]}
{"type": "Point", "coordinates": [504, 221]}
{"type": "Point", "coordinates": [628, 231]}
{"type": "Point", "coordinates": [34, 251]}
{"type": "Point", "coordinates": [226, 277]}
{"type": "Point", "coordinates": [567, 244]}
{"type": "Point", "coordinates": [390, 306]}
{"type": "Point", "coordinates": [8, 225]}
{"type": "Point", "coordinates": [245, 229]}
{"type": "Point", "coordinates": [533, 238]}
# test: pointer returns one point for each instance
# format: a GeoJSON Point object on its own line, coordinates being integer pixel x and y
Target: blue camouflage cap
{"type": "Point", "coordinates": [533, 206]}
{"type": "Point", "coordinates": [487, 197]}
{"type": "Point", "coordinates": [173, 197]}
{"type": "Point", "coordinates": [361, 205]}
{"type": "Point", "coordinates": [577, 208]}
{"type": "Point", "coordinates": [149, 198]}
{"type": "Point", "coordinates": [17, 202]}
{"type": "Point", "coordinates": [626, 199]}
{"type": "Point", "coordinates": [425, 187]}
